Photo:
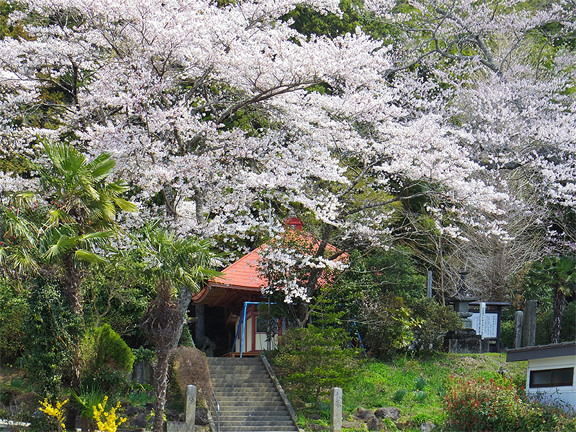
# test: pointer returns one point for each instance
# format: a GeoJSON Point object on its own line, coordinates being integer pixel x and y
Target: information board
{"type": "Point", "coordinates": [490, 325]}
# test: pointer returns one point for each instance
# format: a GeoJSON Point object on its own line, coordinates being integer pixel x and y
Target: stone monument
{"type": "Point", "coordinates": [464, 341]}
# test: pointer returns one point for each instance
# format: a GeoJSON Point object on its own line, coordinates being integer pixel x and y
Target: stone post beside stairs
{"type": "Point", "coordinates": [336, 410]}
{"type": "Point", "coordinates": [189, 412]}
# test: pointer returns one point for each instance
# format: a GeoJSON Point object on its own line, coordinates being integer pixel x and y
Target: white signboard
{"type": "Point", "coordinates": [490, 329]}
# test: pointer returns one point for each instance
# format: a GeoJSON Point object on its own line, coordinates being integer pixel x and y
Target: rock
{"type": "Point", "coordinates": [139, 420]}
{"type": "Point", "coordinates": [363, 414]}
{"type": "Point", "coordinates": [172, 414]}
{"type": "Point", "coordinates": [317, 427]}
{"type": "Point", "coordinates": [391, 413]}
{"type": "Point", "coordinates": [427, 426]}
{"type": "Point", "coordinates": [202, 416]}
{"type": "Point", "coordinates": [132, 410]}
{"type": "Point", "coordinates": [375, 424]}
{"type": "Point", "coordinates": [351, 425]}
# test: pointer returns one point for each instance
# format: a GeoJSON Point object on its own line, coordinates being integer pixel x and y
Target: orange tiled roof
{"type": "Point", "coordinates": [243, 279]}
{"type": "Point", "coordinates": [243, 273]}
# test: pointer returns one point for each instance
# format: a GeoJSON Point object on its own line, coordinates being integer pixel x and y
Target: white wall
{"type": "Point", "coordinates": [564, 393]}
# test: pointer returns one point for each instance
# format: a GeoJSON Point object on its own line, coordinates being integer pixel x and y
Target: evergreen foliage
{"type": "Point", "coordinates": [13, 313]}
{"type": "Point", "coordinates": [315, 359]}
{"type": "Point", "coordinates": [110, 357]}
{"type": "Point", "coordinates": [51, 329]}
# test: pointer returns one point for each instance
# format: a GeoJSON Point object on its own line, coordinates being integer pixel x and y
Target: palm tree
{"type": "Point", "coordinates": [58, 238]}
{"type": "Point", "coordinates": [558, 275]}
{"type": "Point", "coordinates": [178, 265]}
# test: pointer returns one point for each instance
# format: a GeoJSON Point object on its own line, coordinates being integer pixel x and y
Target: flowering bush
{"type": "Point", "coordinates": [55, 410]}
{"type": "Point", "coordinates": [498, 405]}
{"type": "Point", "coordinates": [107, 421]}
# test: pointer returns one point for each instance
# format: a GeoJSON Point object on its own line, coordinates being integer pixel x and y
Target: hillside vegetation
{"type": "Point", "coordinates": [416, 386]}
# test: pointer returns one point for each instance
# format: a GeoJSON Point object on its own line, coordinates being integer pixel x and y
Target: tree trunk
{"type": "Point", "coordinates": [163, 323]}
{"type": "Point", "coordinates": [71, 284]}
{"type": "Point", "coordinates": [315, 273]}
{"type": "Point", "coordinates": [161, 381]}
{"type": "Point", "coordinates": [73, 295]}
{"type": "Point", "coordinates": [558, 310]}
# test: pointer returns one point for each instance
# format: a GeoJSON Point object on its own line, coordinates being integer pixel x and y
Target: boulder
{"type": "Point", "coordinates": [391, 413]}
{"type": "Point", "coordinates": [139, 420]}
{"type": "Point", "coordinates": [363, 414]}
{"type": "Point", "coordinates": [427, 426]}
{"type": "Point", "coordinates": [202, 416]}
{"type": "Point", "coordinates": [375, 424]}
{"type": "Point", "coordinates": [351, 425]}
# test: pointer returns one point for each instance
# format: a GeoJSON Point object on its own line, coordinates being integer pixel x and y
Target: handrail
{"type": "Point", "coordinates": [280, 390]}
{"type": "Point", "coordinates": [217, 409]}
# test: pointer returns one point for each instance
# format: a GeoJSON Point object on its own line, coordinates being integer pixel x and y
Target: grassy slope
{"type": "Point", "coordinates": [415, 386]}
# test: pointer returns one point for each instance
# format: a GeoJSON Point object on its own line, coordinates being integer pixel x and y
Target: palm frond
{"type": "Point", "coordinates": [23, 262]}
{"type": "Point", "coordinates": [125, 205]}
{"type": "Point", "coordinates": [63, 245]}
{"type": "Point", "coordinates": [89, 257]}
{"type": "Point", "coordinates": [101, 167]}
{"type": "Point", "coordinates": [57, 217]}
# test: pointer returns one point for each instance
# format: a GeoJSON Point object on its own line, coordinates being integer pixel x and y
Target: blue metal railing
{"type": "Point", "coordinates": [242, 326]}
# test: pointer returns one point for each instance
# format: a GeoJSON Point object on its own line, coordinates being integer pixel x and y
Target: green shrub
{"type": "Point", "coordinates": [434, 320]}
{"type": "Point", "coordinates": [13, 312]}
{"type": "Point", "coordinates": [313, 360]}
{"type": "Point", "coordinates": [388, 324]}
{"type": "Point", "coordinates": [108, 358]}
{"type": "Point", "coordinates": [420, 383]}
{"type": "Point", "coordinates": [399, 395]}
{"type": "Point", "coordinates": [84, 402]}
{"type": "Point", "coordinates": [420, 397]}
{"type": "Point", "coordinates": [500, 406]}
{"type": "Point", "coordinates": [50, 331]}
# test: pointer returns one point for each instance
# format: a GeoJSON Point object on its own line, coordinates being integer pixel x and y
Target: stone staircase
{"type": "Point", "coordinates": [249, 398]}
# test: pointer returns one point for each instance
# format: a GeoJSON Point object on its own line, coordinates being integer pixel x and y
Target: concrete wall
{"type": "Point", "coordinates": [564, 393]}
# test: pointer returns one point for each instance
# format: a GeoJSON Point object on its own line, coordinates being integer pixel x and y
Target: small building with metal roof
{"type": "Point", "coordinates": [550, 371]}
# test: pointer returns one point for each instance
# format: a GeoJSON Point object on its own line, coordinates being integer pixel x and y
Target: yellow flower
{"type": "Point", "coordinates": [55, 411]}
{"type": "Point", "coordinates": [107, 421]}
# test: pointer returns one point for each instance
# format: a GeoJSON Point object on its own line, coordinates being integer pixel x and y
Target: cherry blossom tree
{"type": "Point", "coordinates": [212, 111]}
{"type": "Point", "coordinates": [215, 107]}
{"type": "Point", "coordinates": [503, 77]}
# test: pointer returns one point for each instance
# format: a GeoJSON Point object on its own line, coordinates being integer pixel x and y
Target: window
{"type": "Point", "coordinates": [551, 378]}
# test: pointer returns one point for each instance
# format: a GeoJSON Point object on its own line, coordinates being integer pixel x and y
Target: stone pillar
{"type": "Point", "coordinates": [529, 327]}
{"type": "Point", "coordinates": [518, 319]}
{"type": "Point", "coordinates": [336, 410]}
{"type": "Point", "coordinates": [191, 394]}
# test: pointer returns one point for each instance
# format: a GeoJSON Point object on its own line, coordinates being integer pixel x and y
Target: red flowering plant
{"type": "Point", "coordinates": [499, 405]}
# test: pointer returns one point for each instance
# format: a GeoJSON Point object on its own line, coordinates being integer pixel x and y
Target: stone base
{"type": "Point", "coordinates": [466, 342]}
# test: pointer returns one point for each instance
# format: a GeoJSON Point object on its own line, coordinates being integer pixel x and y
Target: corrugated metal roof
{"type": "Point", "coordinates": [541, 351]}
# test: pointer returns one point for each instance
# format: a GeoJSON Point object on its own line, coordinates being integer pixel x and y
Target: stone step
{"type": "Point", "coordinates": [271, 428]}
{"type": "Point", "coordinates": [257, 423]}
{"type": "Point", "coordinates": [248, 398]}
{"type": "Point", "coordinates": [235, 387]}
{"type": "Point", "coordinates": [241, 373]}
{"type": "Point", "coordinates": [240, 378]}
{"type": "Point", "coordinates": [251, 406]}
{"type": "Point", "coordinates": [259, 415]}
